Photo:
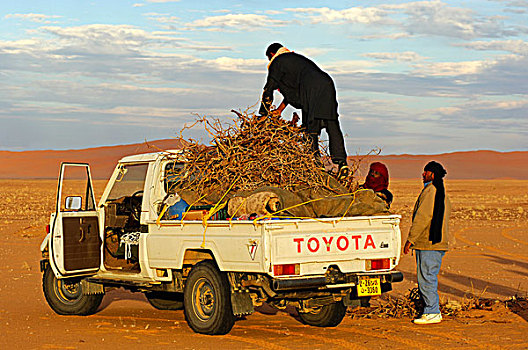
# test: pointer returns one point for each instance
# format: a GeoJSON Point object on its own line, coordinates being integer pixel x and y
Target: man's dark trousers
{"type": "Point", "coordinates": [335, 138]}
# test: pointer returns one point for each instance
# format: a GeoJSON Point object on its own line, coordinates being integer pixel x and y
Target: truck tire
{"type": "Point", "coordinates": [65, 296]}
{"type": "Point", "coordinates": [328, 316]}
{"type": "Point", "coordinates": [207, 300]}
{"type": "Point", "coordinates": [165, 300]}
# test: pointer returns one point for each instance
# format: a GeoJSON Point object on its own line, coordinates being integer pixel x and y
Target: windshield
{"type": "Point", "coordinates": [129, 181]}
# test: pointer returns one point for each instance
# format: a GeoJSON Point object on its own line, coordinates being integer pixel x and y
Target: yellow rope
{"type": "Point", "coordinates": [350, 205]}
{"type": "Point", "coordinates": [218, 206]}
{"type": "Point", "coordinates": [190, 206]}
{"type": "Point", "coordinates": [165, 207]}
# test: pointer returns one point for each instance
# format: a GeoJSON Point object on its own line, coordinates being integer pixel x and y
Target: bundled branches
{"type": "Point", "coordinates": [251, 152]}
{"type": "Point", "coordinates": [411, 305]}
{"type": "Point", "coordinates": [391, 307]}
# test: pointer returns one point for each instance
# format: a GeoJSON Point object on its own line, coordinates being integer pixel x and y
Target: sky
{"type": "Point", "coordinates": [418, 77]}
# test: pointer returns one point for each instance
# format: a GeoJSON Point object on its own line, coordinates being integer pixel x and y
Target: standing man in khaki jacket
{"type": "Point", "coordinates": [429, 237]}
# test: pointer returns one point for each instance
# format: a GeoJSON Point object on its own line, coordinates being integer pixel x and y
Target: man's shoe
{"type": "Point", "coordinates": [429, 319]}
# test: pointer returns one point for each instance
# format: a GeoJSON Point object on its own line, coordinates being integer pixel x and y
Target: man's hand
{"type": "Point", "coordinates": [295, 119]}
{"type": "Point", "coordinates": [407, 247]}
{"type": "Point", "coordinates": [278, 111]}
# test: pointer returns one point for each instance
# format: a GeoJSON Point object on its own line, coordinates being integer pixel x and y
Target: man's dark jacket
{"type": "Point", "coordinates": [304, 86]}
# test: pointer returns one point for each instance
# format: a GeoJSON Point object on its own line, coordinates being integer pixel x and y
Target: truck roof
{"type": "Point", "coordinates": [149, 157]}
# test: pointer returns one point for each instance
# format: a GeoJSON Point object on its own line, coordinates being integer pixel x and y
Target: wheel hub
{"type": "Point", "coordinates": [204, 299]}
{"type": "Point", "coordinates": [68, 291]}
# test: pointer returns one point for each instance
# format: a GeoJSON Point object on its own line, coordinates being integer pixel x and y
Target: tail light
{"type": "Point", "coordinates": [287, 269]}
{"type": "Point", "coordinates": [47, 229]}
{"type": "Point", "coordinates": [378, 264]}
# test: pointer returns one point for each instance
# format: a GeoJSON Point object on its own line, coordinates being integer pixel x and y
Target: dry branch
{"type": "Point", "coordinates": [249, 153]}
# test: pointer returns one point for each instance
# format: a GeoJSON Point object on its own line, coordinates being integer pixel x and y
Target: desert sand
{"type": "Point", "coordinates": [489, 259]}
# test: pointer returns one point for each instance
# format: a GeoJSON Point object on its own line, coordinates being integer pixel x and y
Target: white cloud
{"type": "Point", "coordinates": [103, 39]}
{"type": "Point", "coordinates": [515, 6]}
{"type": "Point", "coordinates": [451, 68]}
{"type": "Point", "coordinates": [273, 12]}
{"type": "Point", "coordinates": [146, 111]}
{"type": "Point", "coordinates": [33, 17]}
{"type": "Point", "coordinates": [240, 64]}
{"type": "Point", "coordinates": [519, 47]}
{"type": "Point", "coordinates": [407, 56]}
{"type": "Point", "coordinates": [434, 18]}
{"type": "Point", "coordinates": [163, 18]}
{"type": "Point", "coordinates": [20, 46]}
{"type": "Point", "coordinates": [367, 15]}
{"type": "Point", "coordinates": [505, 106]}
{"type": "Point", "coordinates": [240, 22]}
{"type": "Point", "coordinates": [439, 19]}
{"type": "Point", "coordinates": [392, 36]}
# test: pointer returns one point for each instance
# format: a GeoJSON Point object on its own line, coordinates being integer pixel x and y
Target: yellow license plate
{"type": "Point", "coordinates": [368, 287]}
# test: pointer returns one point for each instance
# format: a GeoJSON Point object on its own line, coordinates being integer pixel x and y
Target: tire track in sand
{"type": "Point", "coordinates": [262, 344]}
{"type": "Point", "coordinates": [343, 344]}
{"type": "Point", "coordinates": [505, 234]}
{"type": "Point", "coordinates": [459, 236]}
{"type": "Point", "coordinates": [363, 331]}
{"type": "Point", "coordinates": [456, 337]}
{"type": "Point", "coordinates": [130, 318]}
{"type": "Point", "coordinates": [395, 338]}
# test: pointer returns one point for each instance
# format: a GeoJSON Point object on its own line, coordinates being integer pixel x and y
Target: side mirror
{"type": "Point", "coordinates": [73, 203]}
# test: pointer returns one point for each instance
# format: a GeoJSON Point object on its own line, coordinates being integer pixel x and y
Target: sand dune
{"type": "Point", "coordinates": [481, 165]}
{"type": "Point", "coordinates": [460, 165]}
{"type": "Point", "coordinates": [102, 160]}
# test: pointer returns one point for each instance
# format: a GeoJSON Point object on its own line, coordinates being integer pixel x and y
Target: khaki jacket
{"type": "Point", "coordinates": [422, 216]}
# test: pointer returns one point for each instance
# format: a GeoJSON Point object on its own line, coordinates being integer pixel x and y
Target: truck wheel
{"type": "Point", "coordinates": [65, 296]}
{"type": "Point", "coordinates": [207, 300]}
{"type": "Point", "coordinates": [165, 300]}
{"type": "Point", "coordinates": [328, 316]}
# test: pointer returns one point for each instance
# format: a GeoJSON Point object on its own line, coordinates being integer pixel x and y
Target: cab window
{"type": "Point", "coordinates": [76, 187]}
{"type": "Point", "coordinates": [130, 181]}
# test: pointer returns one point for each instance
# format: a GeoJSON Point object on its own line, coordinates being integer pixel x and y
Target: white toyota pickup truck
{"type": "Point", "coordinates": [215, 270]}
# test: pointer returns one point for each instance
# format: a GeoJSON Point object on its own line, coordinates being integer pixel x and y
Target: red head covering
{"type": "Point", "coordinates": [377, 183]}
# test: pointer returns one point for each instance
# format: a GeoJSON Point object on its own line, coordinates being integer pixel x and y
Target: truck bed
{"type": "Point", "coordinates": [248, 246]}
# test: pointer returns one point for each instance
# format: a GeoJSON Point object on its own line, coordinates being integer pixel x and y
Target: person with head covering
{"type": "Point", "coordinates": [429, 238]}
{"type": "Point", "coordinates": [307, 87]}
{"type": "Point", "coordinates": [378, 180]}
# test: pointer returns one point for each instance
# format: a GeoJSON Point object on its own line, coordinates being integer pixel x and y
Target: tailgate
{"type": "Point", "coordinates": [350, 243]}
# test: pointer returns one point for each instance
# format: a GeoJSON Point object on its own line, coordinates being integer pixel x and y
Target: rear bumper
{"type": "Point", "coordinates": [348, 280]}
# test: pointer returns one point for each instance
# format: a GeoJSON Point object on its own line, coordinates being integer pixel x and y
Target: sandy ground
{"type": "Point", "coordinates": [489, 259]}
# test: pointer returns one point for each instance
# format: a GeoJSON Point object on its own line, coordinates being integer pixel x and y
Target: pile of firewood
{"type": "Point", "coordinates": [249, 153]}
{"type": "Point", "coordinates": [411, 305]}
{"type": "Point", "coordinates": [389, 306]}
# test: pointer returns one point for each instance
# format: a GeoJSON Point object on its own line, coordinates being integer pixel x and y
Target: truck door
{"type": "Point", "coordinates": [76, 244]}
